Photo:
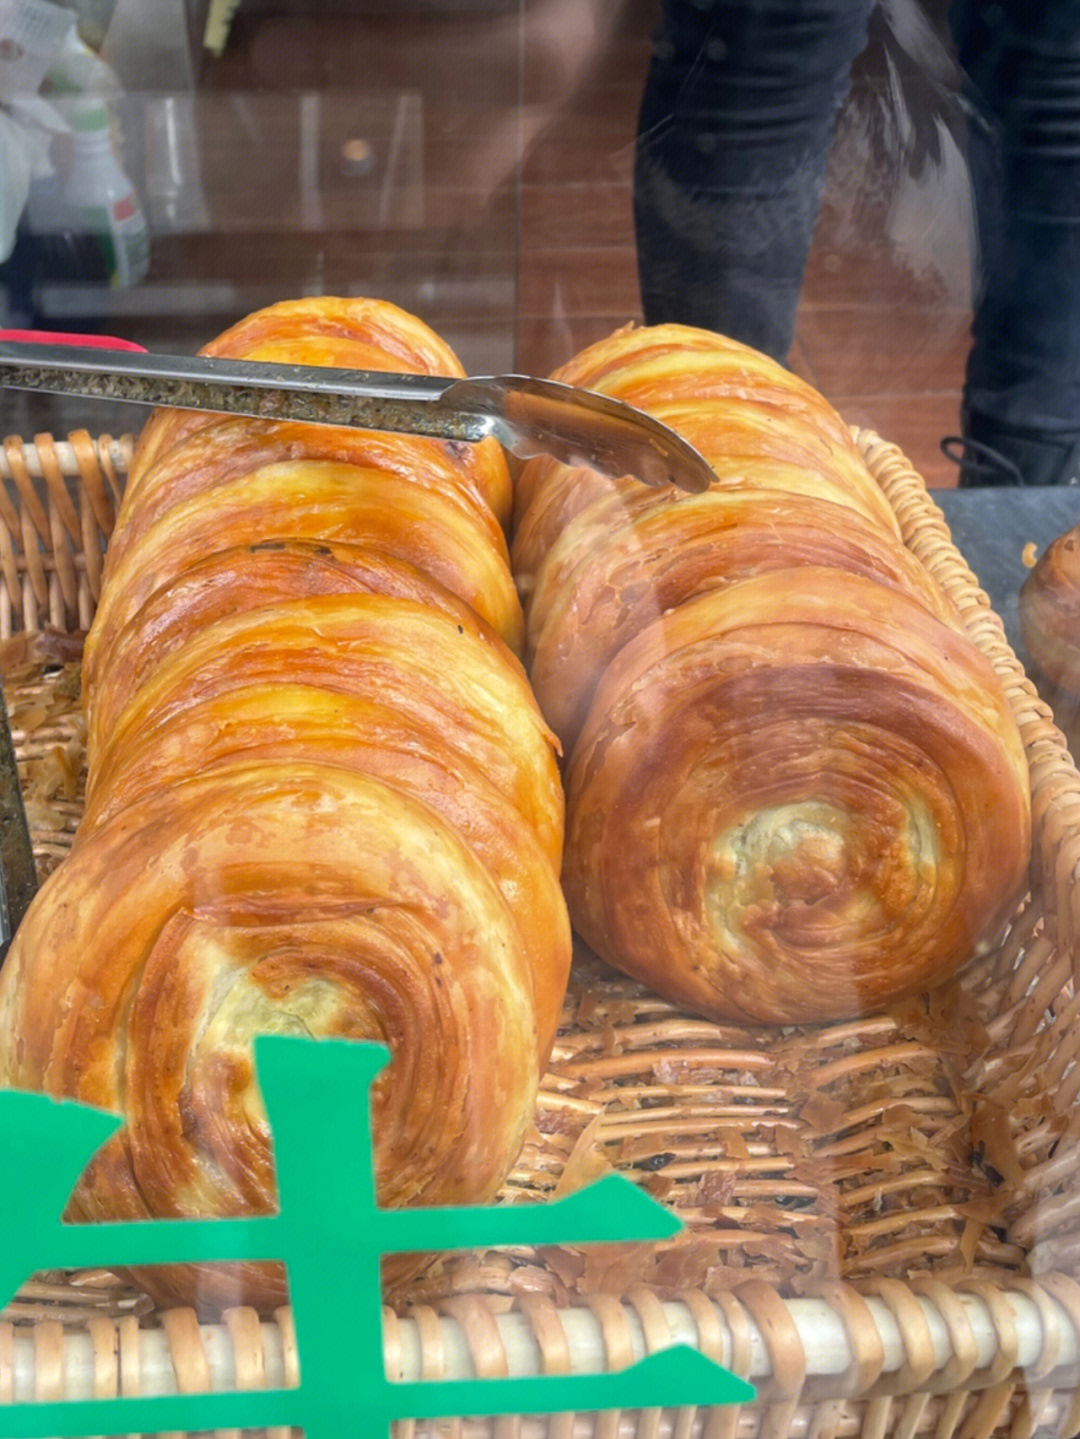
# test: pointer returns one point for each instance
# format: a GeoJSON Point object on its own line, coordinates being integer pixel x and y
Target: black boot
{"type": "Point", "coordinates": [990, 455]}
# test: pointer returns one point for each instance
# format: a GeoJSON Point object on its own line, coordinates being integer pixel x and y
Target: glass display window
{"type": "Point", "coordinates": [538, 872]}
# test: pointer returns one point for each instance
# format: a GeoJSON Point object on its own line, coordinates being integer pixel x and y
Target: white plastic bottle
{"type": "Point", "coordinates": [101, 202]}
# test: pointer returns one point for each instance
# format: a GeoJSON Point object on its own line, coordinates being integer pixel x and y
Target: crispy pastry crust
{"type": "Point", "coordinates": [360, 334]}
{"type": "Point", "coordinates": [628, 559]}
{"type": "Point", "coordinates": [273, 896]}
{"type": "Point", "coordinates": [795, 790]}
{"type": "Point", "coordinates": [321, 799]}
{"type": "Point", "coordinates": [796, 798]}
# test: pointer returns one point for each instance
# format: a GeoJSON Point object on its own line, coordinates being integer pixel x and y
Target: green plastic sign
{"type": "Point", "coordinates": [331, 1234]}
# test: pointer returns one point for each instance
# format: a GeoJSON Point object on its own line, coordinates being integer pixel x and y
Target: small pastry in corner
{"type": "Point", "coordinates": [1049, 611]}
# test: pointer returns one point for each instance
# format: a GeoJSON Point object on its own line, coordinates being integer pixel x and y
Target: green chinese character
{"type": "Point", "coordinates": [331, 1234]}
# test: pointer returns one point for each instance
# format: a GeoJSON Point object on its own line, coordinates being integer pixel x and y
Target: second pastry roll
{"type": "Point", "coordinates": [795, 788]}
{"type": "Point", "coordinates": [791, 801]}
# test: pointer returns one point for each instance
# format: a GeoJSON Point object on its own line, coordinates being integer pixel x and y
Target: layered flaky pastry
{"type": "Point", "coordinates": [239, 578]}
{"type": "Point", "coordinates": [795, 789]}
{"type": "Point", "coordinates": [627, 559]}
{"type": "Point", "coordinates": [796, 798]}
{"type": "Point", "coordinates": [414, 518]}
{"type": "Point", "coordinates": [321, 800]}
{"type": "Point", "coordinates": [444, 670]}
{"type": "Point", "coordinates": [758, 425]}
{"type": "Point", "coordinates": [280, 896]}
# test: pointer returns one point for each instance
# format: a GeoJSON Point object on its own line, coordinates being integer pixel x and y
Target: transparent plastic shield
{"type": "Point", "coordinates": [706, 863]}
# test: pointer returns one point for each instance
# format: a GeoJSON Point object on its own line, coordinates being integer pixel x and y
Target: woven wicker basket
{"type": "Point", "coordinates": [882, 1217]}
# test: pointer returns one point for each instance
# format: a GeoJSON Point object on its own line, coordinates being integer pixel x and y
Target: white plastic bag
{"type": "Point", "coordinates": [32, 34]}
{"type": "Point", "coordinates": [15, 169]}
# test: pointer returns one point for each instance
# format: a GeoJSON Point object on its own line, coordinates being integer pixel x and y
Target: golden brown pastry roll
{"type": "Point", "coordinates": [796, 797]}
{"type": "Point", "coordinates": [794, 788]}
{"type": "Point", "coordinates": [313, 501]}
{"type": "Point", "coordinates": [448, 675]}
{"type": "Point", "coordinates": [754, 422]}
{"type": "Point", "coordinates": [253, 724]}
{"type": "Point", "coordinates": [624, 561]}
{"type": "Point", "coordinates": [221, 450]}
{"type": "Point", "coordinates": [321, 800]}
{"type": "Point", "coordinates": [558, 494]}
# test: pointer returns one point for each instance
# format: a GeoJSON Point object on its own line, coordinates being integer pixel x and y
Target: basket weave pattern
{"type": "Point", "coordinates": [919, 1165]}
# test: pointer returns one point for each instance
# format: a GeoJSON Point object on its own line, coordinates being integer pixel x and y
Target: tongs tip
{"type": "Point", "coordinates": [585, 427]}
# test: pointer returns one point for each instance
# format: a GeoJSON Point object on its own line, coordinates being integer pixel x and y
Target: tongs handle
{"type": "Point", "coordinates": [528, 416]}
{"type": "Point", "coordinates": [59, 337]}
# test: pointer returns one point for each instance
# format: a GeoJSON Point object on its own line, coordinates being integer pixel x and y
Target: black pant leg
{"type": "Point", "coordinates": [734, 132]}
{"type": "Point", "coordinates": [1022, 385]}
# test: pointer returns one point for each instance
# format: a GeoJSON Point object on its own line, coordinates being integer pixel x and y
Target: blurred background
{"type": "Point", "coordinates": [472, 161]}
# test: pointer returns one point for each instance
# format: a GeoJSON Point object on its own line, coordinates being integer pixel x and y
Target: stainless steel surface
{"type": "Point", "coordinates": [528, 416]}
{"type": "Point", "coordinates": [18, 874]}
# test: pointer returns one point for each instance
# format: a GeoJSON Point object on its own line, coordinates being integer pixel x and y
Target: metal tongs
{"type": "Point", "coordinates": [527, 416]}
